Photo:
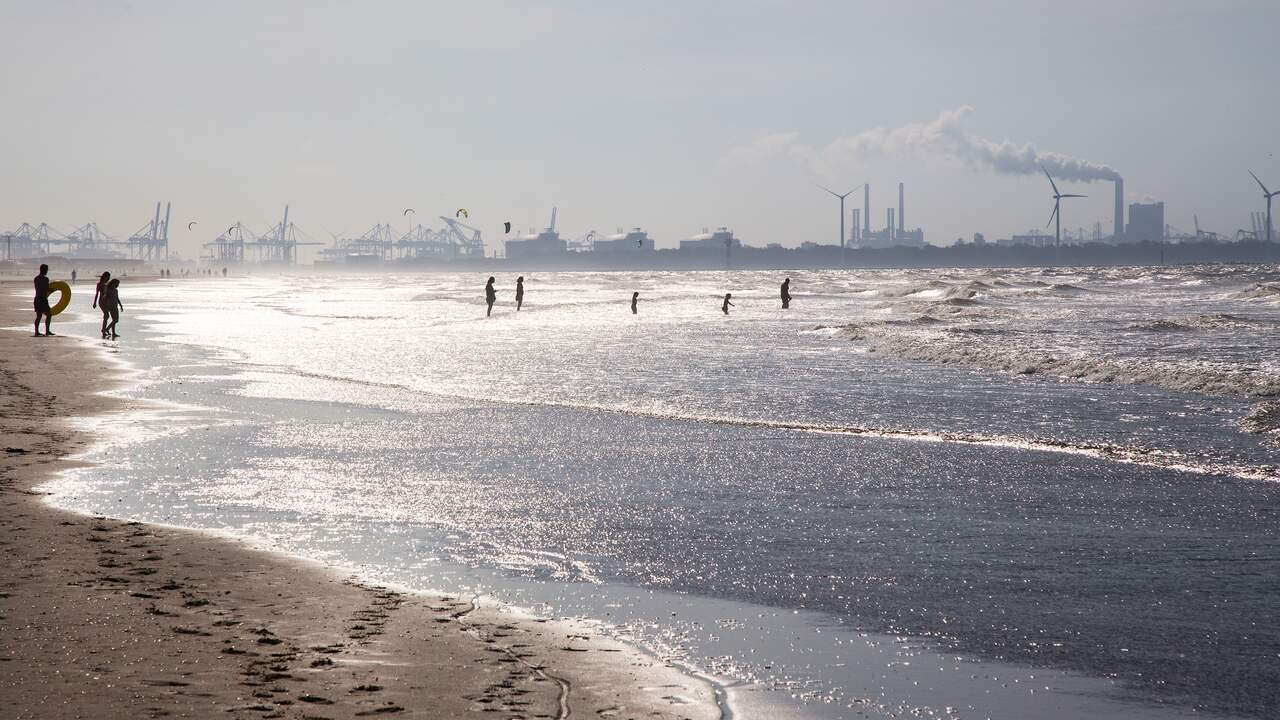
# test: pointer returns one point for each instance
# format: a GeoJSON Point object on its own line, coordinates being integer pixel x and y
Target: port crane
{"type": "Point", "coordinates": [467, 245]}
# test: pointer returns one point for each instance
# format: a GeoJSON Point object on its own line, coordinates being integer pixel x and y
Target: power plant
{"type": "Point", "coordinates": [895, 232]}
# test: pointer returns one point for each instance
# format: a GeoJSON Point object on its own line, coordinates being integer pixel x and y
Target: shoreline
{"type": "Point", "coordinates": [110, 618]}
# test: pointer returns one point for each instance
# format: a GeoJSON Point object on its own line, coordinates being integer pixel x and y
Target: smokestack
{"type": "Point", "coordinates": [901, 213]}
{"type": "Point", "coordinates": [855, 237]}
{"type": "Point", "coordinates": [1119, 220]}
{"type": "Point", "coordinates": [866, 209]}
{"type": "Point", "coordinates": [888, 224]}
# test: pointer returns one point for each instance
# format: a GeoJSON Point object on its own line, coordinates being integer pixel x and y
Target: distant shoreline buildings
{"type": "Point", "coordinates": [462, 245]}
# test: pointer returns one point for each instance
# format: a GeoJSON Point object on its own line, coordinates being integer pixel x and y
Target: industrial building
{"type": "Point", "coordinates": [636, 240]}
{"type": "Point", "coordinates": [1146, 223]}
{"type": "Point", "coordinates": [1034, 238]}
{"type": "Point", "coordinates": [547, 242]}
{"type": "Point", "coordinates": [720, 239]}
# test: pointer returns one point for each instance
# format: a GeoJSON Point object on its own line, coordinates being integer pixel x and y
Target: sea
{"type": "Point", "coordinates": [1006, 493]}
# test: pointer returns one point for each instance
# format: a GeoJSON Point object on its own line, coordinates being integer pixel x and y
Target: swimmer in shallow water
{"type": "Point", "coordinates": [725, 307]}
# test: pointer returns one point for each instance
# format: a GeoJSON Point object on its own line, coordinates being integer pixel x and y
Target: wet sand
{"type": "Point", "coordinates": [101, 618]}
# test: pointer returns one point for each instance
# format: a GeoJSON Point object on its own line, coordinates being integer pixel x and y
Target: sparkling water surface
{"type": "Point", "coordinates": [1020, 472]}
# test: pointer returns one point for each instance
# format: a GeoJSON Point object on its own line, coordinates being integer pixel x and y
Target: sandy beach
{"type": "Point", "coordinates": [103, 618]}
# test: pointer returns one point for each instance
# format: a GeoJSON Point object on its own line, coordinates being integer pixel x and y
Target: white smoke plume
{"type": "Point", "coordinates": [944, 136]}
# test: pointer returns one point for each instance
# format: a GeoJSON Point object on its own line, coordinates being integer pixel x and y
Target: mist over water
{"type": "Point", "coordinates": [1067, 469]}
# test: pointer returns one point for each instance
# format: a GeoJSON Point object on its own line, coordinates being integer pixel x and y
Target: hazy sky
{"type": "Point", "coordinates": [673, 116]}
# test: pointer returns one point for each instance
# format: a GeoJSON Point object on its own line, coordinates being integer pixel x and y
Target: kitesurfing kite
{"type": "Point", "coordinates": [231, 229]}
{"type": "Point", "coordinates": [193, 222]}
{"type": "Point", "coordinates": [462, 212]}
{"type": "Point", "coordinates": [407, 211]}
{"type": "Point", "coordinates": [506, 227]}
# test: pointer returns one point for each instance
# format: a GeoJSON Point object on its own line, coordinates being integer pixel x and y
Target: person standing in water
{"type": "Point", "coordinates": [786, 293]}
{"type": "Point", "coordinates": [110, 303]}
{"type": "Point", "coordinates": [97, 300]}
{"type": "Point", "coordinates": [490, 295]}
{"type": "Point", "coordinates": [635, 298]}
{"type": "Point", "coordinates": [41, 283]}
{"type": "Point", "coordinates": [519, 292]}
{"type": "Point", "coordinates": [725, 307]}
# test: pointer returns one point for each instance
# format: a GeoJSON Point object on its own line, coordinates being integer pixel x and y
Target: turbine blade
{"type": "Point", "coordinates": [1073, 196]}
{"type": "Point", "coordinates": [1264, 187]}
{"type": "Point", "coordinates": [1051, 182]}
{"type": "Point", "coordinates": [1052, 214]}
{"type": "Point", "coordinates": [824, 187]}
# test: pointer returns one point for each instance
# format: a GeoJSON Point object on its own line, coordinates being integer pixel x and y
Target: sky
{"type": "Point", "coordinates": [669, 116]}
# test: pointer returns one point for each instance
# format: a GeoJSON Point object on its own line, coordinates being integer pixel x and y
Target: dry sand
{"type": "Point", "coordinates": [101, 618]}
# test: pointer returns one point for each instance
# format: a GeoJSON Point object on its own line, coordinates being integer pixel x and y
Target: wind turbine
{"type": "Point", "coordinates": [1268, 195]}
{"type": "Point", "coordinates": [842, 197]}
{"type": "Point", "coordinates": [1056, 216]}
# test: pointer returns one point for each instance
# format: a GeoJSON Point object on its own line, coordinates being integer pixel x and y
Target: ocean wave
{"type": "Point", "coordinates": [1263, 419]}
{"type": "Point", "coordinates": [1261, 291]}
{"type": "Point", "coordinates": [1188, 323]}
{"type": "Point", "coordinates": [1137, 455]}
{"type": "Point", "coordinates": [952, 348]}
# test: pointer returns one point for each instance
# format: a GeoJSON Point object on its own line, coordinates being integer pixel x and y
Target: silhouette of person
{"type": "Point", "coordinates": [224, 272]}
{"type": "Point", "coordinates": [98, 302]}
{"type": "Point", "coordinates": [73, 277]}
{"type": "Point", "coordinates": [635, 298]}
{"type": "Point", "coordinates": [111, 303]}
{"type": "Point", "coordinates": [786, 293]}
{"type": "Point", "coordinates": [727, 304]}
{"type": "Point", "coordinates": [41, 283]}
{"type": "Point", "coordinates": [519, 292]}
{"type": "Point", "coordinates": [490, 295]}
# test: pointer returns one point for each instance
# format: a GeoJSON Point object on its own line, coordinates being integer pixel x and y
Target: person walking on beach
{"type": "Point", "coordinates": [98, 301]}
{"type": "Point", "coordinates": [519, 292]}
{"type": "Point", "coordinates": [635, 298]}
{"type": "Point", "coordinates": [725, 307]}
{"type": "Point", "coordinates": [41, 283]}
{"type": "Point", "coordinates": [490, 295]}
{"type": "Point", "coordinates": [786, 293]}
{"type": "Point", "coordinates": [73, 277]}
{"type": "Point", "coordinates": [111, 304]}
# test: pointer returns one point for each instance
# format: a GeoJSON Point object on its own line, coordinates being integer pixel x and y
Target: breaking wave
{"type": "Point", "coordinates": [952, 349]}
{"type": "Point", "coordinates": [1188, 323]}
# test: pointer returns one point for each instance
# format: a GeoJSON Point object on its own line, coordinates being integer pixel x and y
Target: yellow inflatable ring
{"type": "Point", "coordinates": [63, 300]}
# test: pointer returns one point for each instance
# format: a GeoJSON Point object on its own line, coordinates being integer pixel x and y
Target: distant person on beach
{"type": "Point", "coordinates": [99, 302]}
{"type": "Point", "coordinates": [41, 282]}
{"type": "Point", "coordinates": [224, 272]}
{"type": "Point", "coordinates": [111, 303]}
{"type": "Point", "coordinates": [727, 304]}
{"type": "Point", "coordinates": [519, 292]}
{"type": "Point", "coordinates": [490, 295]}
{"type": "Point", "coordinates": [786, 293]}
{"type": "Point", "coordinates": [635, 298]}
{"type": "Point", "coordinates": [73, 277]}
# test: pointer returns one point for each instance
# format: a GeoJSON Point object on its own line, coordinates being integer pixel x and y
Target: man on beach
{"type": "Point", "coordinates": [786, 293]}
{"type": "Point", "coordinates": [42, 301]}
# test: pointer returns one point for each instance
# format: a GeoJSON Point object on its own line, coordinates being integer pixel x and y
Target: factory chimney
{"type": "Point", "coordinates": [855, 237]}
{"type": "Point", "coordinates": [1119, 219]}
{"type": "Point", "coordinates": [901, 213]}
{"type": "Point", "coordinates": [888, 224]}
{"type": "Point", "coordinates": [866, 210]}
